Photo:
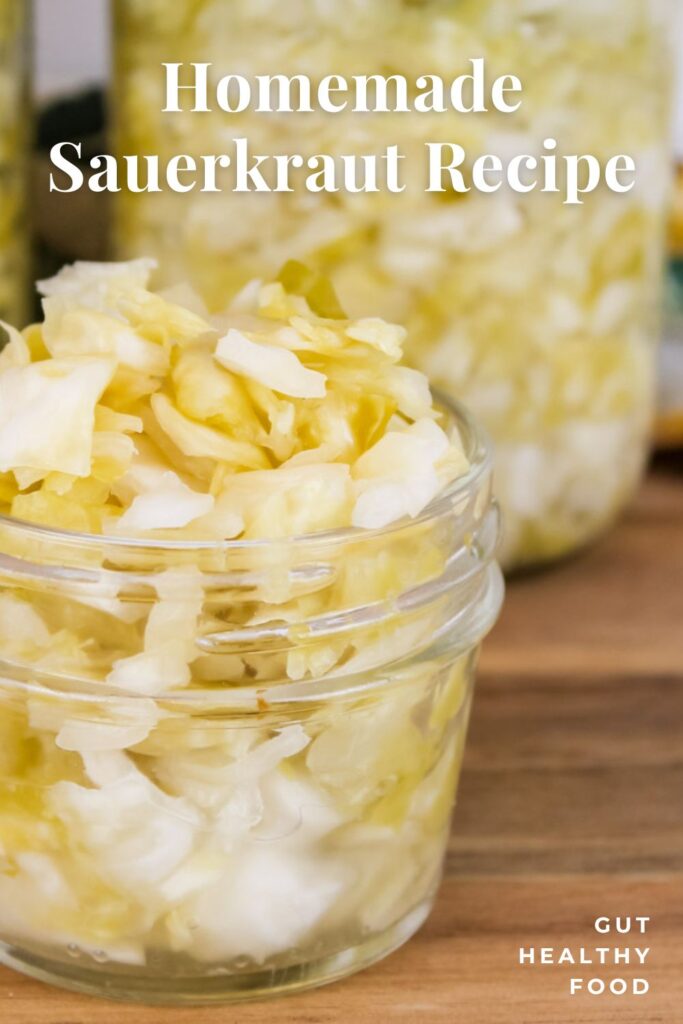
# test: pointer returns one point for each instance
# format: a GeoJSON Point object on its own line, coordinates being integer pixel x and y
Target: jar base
{"type": "Point", "coordinates": [126, 985]}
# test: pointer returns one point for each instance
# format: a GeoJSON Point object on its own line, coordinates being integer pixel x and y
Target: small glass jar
{"type": "Point", "coordinates": [227, 769]}
{"type": "Point", "coordinates": [541, 316]}
{"type": "Point", "coordinates": [14, 121]}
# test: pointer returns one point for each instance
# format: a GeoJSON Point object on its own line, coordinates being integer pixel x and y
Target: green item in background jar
{"type": "Point", "coordinates": [14, 129]}
{"type": "Point", "coordinates": [543, 318]}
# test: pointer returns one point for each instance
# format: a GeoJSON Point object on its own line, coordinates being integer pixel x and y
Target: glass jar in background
{"type": "Point", "coordinates": [14, 128]}
{"type": "Point", "coordinates": [542, 317]}
{"type": "Point", "coordinates": [669, 422]}
{"type": "Point", "coordinates": [227, 769]}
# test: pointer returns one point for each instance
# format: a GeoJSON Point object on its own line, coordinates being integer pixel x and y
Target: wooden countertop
{"type": "Point", "coordinates": [571, 807]}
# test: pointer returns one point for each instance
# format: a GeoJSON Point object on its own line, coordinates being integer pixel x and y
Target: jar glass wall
{"type": "Point", "coordinates": [227, 769]}
{"type": "Point", "coordinates": [14, 237]}
{"type": "Point", "coordinates": [541, 316]}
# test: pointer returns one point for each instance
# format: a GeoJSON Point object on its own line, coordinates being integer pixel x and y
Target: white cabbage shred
{"type": "Point", "coordinates": [47, 414]}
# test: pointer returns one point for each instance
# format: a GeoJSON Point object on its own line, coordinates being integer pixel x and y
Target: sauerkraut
{"type": "Point", "coordinates": [127, 412]}
{"type": "Point", "coordinates": [13, 167]}
{"type": "Point", "coordinates": [246, 567]}
{"type": "Point", "coordinates": [540, 316]}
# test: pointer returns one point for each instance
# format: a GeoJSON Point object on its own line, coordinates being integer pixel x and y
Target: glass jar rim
{"type": "Point", "coordinates": [476, 577]}
{"type": "Point", "coordinates": [477, 448]}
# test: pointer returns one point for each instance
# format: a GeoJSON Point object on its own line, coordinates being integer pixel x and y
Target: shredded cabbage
{"type": "Point", "coordinates": [265, 421]}
{"type": "Point", "coordinates": [223, 843]}
{"type": "Point", "coordinates": [279, 370]}
{"type": "Point", "coordinates": [138, 823]}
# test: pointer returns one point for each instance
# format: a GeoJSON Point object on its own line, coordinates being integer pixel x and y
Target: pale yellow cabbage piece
{"type": "Point", "coordinates": [400, 474]}
{"type": "Point", "coordinates": [278, 370]}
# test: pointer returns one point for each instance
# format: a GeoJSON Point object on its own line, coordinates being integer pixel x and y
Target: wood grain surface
{"type": "Point", "coordinates": [571, 807]}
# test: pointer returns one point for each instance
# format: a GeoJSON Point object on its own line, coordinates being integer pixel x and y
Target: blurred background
{"type": "Point", "coordinates": [63, 67]}
{"type": "Point", "coordinates": [582, 328]}
{"type": "Point", "coordinates": [541, 318]}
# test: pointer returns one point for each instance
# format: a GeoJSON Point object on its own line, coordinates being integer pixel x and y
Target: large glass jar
{"type": "Point", "coordinates": [14, 236]}
{"type": "Point", "coordinates": [227, 769]}
{"type": "Point", "coordinates": [541, 316]}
